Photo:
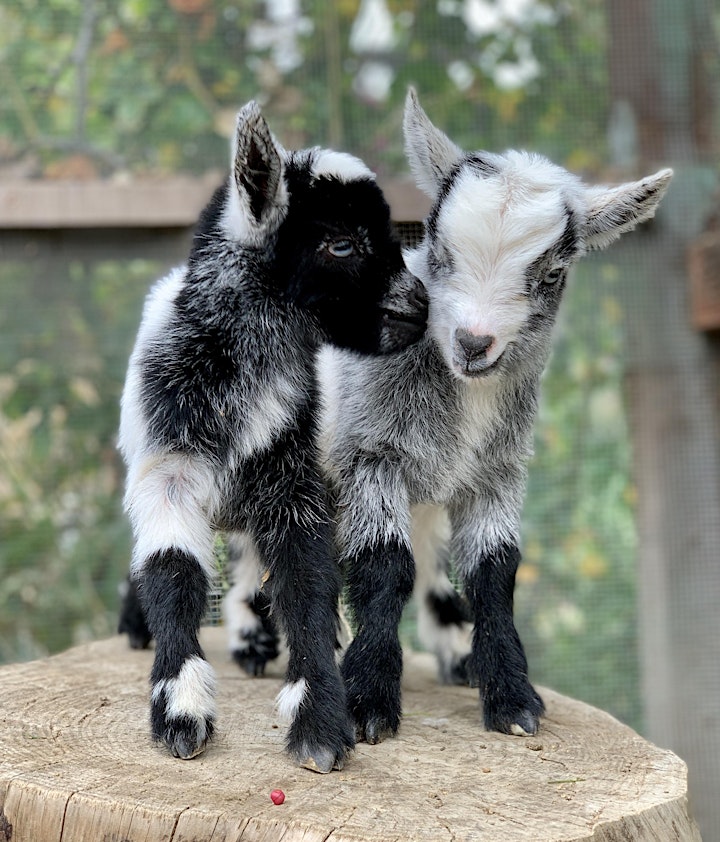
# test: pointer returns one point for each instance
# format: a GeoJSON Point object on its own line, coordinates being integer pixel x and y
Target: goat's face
{"type": "Point", "coordinates": [502, 234]}
{"type": "Point", "coordinates": [325, 227]}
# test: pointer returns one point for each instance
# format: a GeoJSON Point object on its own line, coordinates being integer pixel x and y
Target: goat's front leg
{"type": "Point", "coordinates": [380, 569]}
{"type": "Point", "coordinates": [172, 563]}
{"type": "Point", "coordinates": [487, 563]}
{"type": "Point", "coordinates": [293, 536]}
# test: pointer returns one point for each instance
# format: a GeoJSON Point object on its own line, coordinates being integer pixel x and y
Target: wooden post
{"type": "Point", "coordinates": [77, 765]}
{"type": "Point", "coordinates": [663, 70]}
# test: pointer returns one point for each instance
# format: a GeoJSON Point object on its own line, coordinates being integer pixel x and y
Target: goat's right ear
{"type": "Point", "coordinates": [257, 167]}
{"type": "Point", "coordinates": [430, 152]}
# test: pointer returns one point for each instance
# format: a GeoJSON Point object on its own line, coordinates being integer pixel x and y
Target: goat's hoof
{"type": "Point", "coordinates": [186, 750]}
{"type": "Point", "coordinates": [249, 662]}
{"type": "Point", "coordinates": [374, 730]}
{"type": "Point", "coordinates": [323, 761]}
{"type": "Point", "coordinates": [320, 749]}
{"type": "Point", "coordinates": [254, 650]}
{"type": "Point", "coordinates": [526, 727]}
{"type": "Point", "coordinates": [456, 671]}
{"type": "Point", "coordinates": [186, 738]}
{"type": "Point", "coordinates": [521, 721]}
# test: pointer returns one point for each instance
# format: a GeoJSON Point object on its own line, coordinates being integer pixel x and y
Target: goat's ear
{"type": "Point", "coordinates": [430, 152]}
{"type": "Point", "coordinates": [257, 165]}
{"type": "Point", "coordinates": [614, 210]}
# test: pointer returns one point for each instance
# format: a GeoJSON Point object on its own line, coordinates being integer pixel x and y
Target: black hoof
{"type": "Point", "coordinates": [375, 730]}
{"type": "Point", "coordinates": [323, 761]}
{"type": "Point", "coordinates": [254, 651]}
{"type": "Point", "coordinates": [320, 740]}
{"type": "Point", "coordinates": [521, 719]}
{"type": "Point", "coordinates": [186, 738]}
{"type": "Point", "coordinates": [456, 672]}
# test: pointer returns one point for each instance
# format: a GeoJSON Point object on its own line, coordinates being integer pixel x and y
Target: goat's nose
{"type": "Point", "coordinates": [473, 346]}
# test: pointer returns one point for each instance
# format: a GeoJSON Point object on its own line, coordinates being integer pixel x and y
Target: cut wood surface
{"type": "Point", "coordinates": [77, 765]}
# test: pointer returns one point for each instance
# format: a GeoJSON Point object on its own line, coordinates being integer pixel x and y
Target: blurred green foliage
{"type": "Point", "coordinates": [107, 86]}
{"type": "Point", "coordinates": [131, 87]}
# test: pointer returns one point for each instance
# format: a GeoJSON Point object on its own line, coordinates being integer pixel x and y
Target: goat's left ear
{"type": "Point", "coordinates": [257, 166]}
{"type": "Point", "coordinates": [614, 210]}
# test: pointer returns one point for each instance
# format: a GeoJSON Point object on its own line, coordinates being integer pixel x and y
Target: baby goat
{"type": "Point", "coordinates": [441, 433]}
{"type": "Point", "coordinates": [218, 423]}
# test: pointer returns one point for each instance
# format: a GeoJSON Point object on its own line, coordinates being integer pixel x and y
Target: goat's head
{"type": "Point", "coordinates": [324, 225]}
{"type": "Point", "coordinates": [500, 238]}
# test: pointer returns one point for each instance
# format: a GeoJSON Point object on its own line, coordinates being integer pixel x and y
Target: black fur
{"type": "Point", "coordinates": [219, 422]}
{"type": "Point", "coordinates": [372, 666]}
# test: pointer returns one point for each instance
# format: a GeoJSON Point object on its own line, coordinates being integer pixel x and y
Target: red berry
{"type": "Point", "coordinates": [277, 796]}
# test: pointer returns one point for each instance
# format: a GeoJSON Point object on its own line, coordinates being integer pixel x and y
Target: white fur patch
{"type": "Point", "coordinates": [191, 693]}
{"type": "Point", "coordinates": [168, 500]}
{"type": "Point", "coordinates": [270, 413]}
{"type": "Point", "coordinates": [491, 244]}
{"type": "Point", "coordinates": [431, 530]}
{"type": "Point", "coordinates": [290, 698]}
{"type": "Point", "coordinates": [340, 165]}
{"type": "Point", "coordinates": [492, 524]}
{"type": "Point", "coordinates": [156, 314]}
{"type": "Point", "coordinates": [240, 620]}
{"type": "Point", "coordinates": [374, 510]}
{"type": "Point", "coordinates": [328, 373]}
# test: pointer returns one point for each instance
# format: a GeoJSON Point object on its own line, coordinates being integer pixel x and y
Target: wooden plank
{"type": "Point", "coordinates": [165, 203]}
{"type": "Point", "coordinates": [173, 202]}
{"type": "Point", "coordinates": [77, 764]}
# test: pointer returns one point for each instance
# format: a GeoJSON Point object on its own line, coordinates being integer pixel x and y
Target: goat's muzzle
{"type": "Point", "coordinates": [404, 313]}
{"type": "Point", "coordinates": [470, 353]}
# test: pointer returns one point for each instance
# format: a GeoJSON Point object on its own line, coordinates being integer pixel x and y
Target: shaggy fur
{"type": "Point", "coordinates": [444, 429]}
{"type": "Point", "coordinates": [218, 423]}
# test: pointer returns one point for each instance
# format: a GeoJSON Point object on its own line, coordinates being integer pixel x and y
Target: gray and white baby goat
{"type": "Point", "coordinates": [439, 435]}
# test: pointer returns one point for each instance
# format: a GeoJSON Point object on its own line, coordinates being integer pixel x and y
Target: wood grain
{"type": "Point", "coordinates": [77, 765]}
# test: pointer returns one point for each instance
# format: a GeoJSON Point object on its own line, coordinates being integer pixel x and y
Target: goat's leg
{"type": "Point", "coordinates": [174, 589]}
{"type": "Point", "coordinates": [252, 636]}
{"type": "Point", "coordinates": [443, 616]}
{"type": "Point", "coordinates": [132, 619]}
{"type": "Point", "coordinates": [172, 564]}
{"type": "Point", "coordinates": [497, 662]}
{"type": "Point", "coordinates": [380, 581]}
{"type": "Point", "coordinates": [292, 532]}
{"type": "Point", "coordinates": [374, 536]}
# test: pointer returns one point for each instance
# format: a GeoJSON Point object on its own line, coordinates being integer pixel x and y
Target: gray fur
{"type": "Point", "coordinates": [439, 425]}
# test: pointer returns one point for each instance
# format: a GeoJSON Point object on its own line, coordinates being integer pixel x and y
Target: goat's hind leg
{"type": "Point", "coordinates": [172, 566]}
{"type": "Point", "coordinates": [444, 624]}
{"type": "Point", "coordinates": [132, 619]}
{"type": "Point", "coordinates": [252, 635]}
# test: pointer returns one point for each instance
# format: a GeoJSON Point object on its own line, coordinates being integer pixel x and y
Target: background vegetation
{"type": "Point", "coordinates": [123, 89]}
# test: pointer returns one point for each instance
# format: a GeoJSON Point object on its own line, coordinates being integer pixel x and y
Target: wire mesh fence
{"type": "Point", "coordinates": [131, 91]}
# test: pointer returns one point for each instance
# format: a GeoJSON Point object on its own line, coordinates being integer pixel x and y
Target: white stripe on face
{"type": "Point", "coordinates": [340, 165]}
{"type": "Point", "coordinates": [491, 228]}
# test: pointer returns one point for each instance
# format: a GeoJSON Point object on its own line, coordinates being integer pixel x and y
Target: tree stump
{"type": "Point", "coordinates": [77, 765]}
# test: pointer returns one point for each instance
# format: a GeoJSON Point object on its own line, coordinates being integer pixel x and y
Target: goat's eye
{"type": "Point", "coordinates": [554, 275]}
{"type": "Point", "coordinates": [341, 247]}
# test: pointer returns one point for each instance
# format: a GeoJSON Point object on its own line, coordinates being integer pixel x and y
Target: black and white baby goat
{"type": "Point", "coordinates": [427, 450]}
{"type": "Point", "coordinates": [219, 417]}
